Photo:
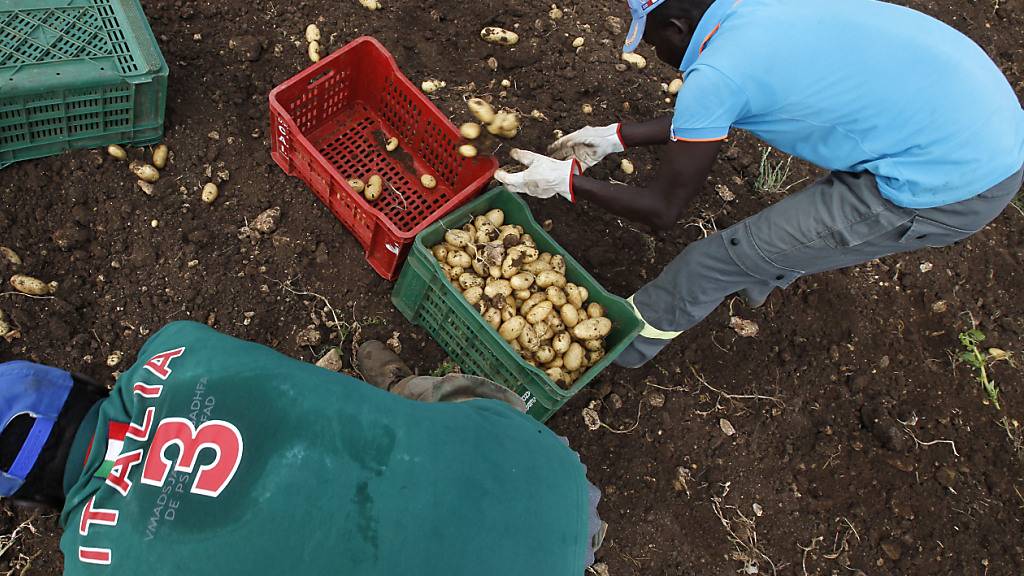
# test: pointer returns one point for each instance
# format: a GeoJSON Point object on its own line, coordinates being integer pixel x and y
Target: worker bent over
{"type": "Point", "coordinates": [922, 133]}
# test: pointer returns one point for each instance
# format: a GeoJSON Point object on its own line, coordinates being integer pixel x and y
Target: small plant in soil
{"type": "Point", "coordinates": [979, 359]}
{"type": "Point", "coordinates": [772, 175]}
{"type": "Point", "coordinates": [445, 368]}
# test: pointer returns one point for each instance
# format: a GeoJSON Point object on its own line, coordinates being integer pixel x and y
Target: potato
{"type": "Point", "coordinates": [473, 293]}
{"type": "Point", "coordinates": [467, 151]}
{"type": "Point", "coordinates": [10, 255]}
{"type": "Point", "coordinates": [627, 166]}
{"type": "Point", "coordinates": [505, 124]}
{"type": "Point", "coordinates": [543, 330]}
{"type": "Point", "coordinates": [674, 86]}
{"type": "Point", "coordinates": [558, 264]}
{"type": "Point", "coordinates": [512, 328]}
{"type": "Point", "coordinates": [313, 51]}
{"type": "Point", "coordinates": [370, 4]}
{"type": "Point", "coordinates": [555, 322]}
{"type": "Point", "coordinates": [592, 329]}
{"type": "Point", "coordinates": [528, 339]}
{"type": "Point", "coordinates": [470, 228]}
{"type": "Point", "coordinates": [495, 271]}
{"type": "Point", "coordinates": [374, 186]}
{"type": "Point", "coordinates": [530, 303]}
{"type": "Point", "coordinates": [555, 374]}
{"type": "Point", "coordinates": [432, 85]}
{"type": "Point", "coordinates": [578, 42]}
{"type": "Point", "coordinates": [356, 185]}
{"type": "Point", "coordinates": [507, 313]}
{"type": "Point", "coordinates": [523, 254]}
{"type": "Point", "coordinates": [446, 269]}
{"type": "Point", "coordinates": [573, 358]}
{"type": "Point", "coordinates": [459, 258]}
{"type": "Point", "coordinates": [556, 363]}
{"type": "Point", "coordinates": [587, 108]}
{"type": "Point", "coordinates": [458, 238]}
{"type": "Point", "coordinates": [312, 33]}
{"type": "Point", "coordinates": [117, 152]}
{"type": "Point", "coordinates": [570, 315]}
{"type": "Point", "coordinates": [146, 187]}
{"type": "Point", "coordinates": [508, 232]}
{"type": "Point", "coordinates": [594, 345]}
{"type": "Point", "coordinates": [522, 281]}
{"type": "Point", "coordinates": [469, 280]}
{"type": "Point", "coordinates": [522, 295]}
{"type": "Point", "coordinates": [556, 295]}
{"type": "Point", "coordinates": [509, 268]}
{"type": "Point", "coordinates": [391, 145]}
{"type": "Point", "coordinates": [470, 130]}
{"type": "Point", "coordinates": [486, 232]}
{"type": "Point", "coordinates": [496, 216]}
{"type": "Point", "coordinates": [539, 312]}
{"type": "Point", "coordinates": [595, 356]}
{"type": "Point", "coordinates": [561, 343]}
{"type": "Point", "coordinates": [440, 252]}
{"type": "Point", "coordinates": [537, 266]}
{"type": "Point", "coordinates": [499, 287]}
{"type": "Point", "coordinates": [479, 267]}
{"type": "Point", "coordinates": [635, 60]}
{"type": "Point", "coordinates": [32, 286]}
{"type": "Point", "coordinates": [160, 156]}
{"type": "Point", "coordinates": [516, 346]}
{"type": "Point", "coordinates": [550, 278]}
{"type": "Point", "coordinates": [499, 36]}
{"type": "Point", "coordinates": [493, 317]}
{"type": "Point", "coordinates": [584, 293]}
{"type": "Point", "coordinates": [481, 109]}
{"type": "Point", "coordinates": [456, 272]}
{"type": "Point", "coordinates": [594, 310]}
{"type": "Point", "coordinates": [144, 171]}
{"type": "Point", "coordinates": [544, 354]}
{"type": "Point", "coordinates": [428, 181]}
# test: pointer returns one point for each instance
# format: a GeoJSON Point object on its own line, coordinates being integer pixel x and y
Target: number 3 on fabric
{"type": "Point", "coordinates": [217, 436]}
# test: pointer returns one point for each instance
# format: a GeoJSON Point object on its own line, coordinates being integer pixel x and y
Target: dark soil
{"type": "Point", "coordinates": [837, 472]}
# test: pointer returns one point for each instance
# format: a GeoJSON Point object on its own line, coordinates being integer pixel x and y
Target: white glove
{"type": "Point", "coordinates": [588, 145]}
{"type": "Point", "coordinates": [543, 178]}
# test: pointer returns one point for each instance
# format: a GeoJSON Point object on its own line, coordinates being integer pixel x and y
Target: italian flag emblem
{"type": "Point", "coordinates": [115, 442]}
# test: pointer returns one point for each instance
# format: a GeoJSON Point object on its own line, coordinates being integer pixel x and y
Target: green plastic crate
{"type": "Point", "coordinates": [427, 298]}
{"type": "Point", "coordinates": [77, 74]}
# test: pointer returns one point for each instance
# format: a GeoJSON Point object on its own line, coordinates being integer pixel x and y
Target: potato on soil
{"type": "Point", "coordinates": [10, 255]}
{"type": "Point", "coordinates": [210, 193]}
{"type": "Point", "coordinates": [635, 60]}
{"type": "Point", "coordinates": [313, 52]}
{"type": "Point", "coordinates": [432, 85]}
{"type": "Point", "coordinates": [505, 124]}
{"type": "Point", "coordinates": [674, 86]}
{"type": "Point", "coordinates": [117, 152]}
{"type": "Point", "coordinates": [32, 286]}
{"type": "Point", "coordinates": [370, 5]}
{"type": "Point", "coordinates": [499, 36]}
{"type": "Point", "coordinates": [467, 151]}
{"type": "Point", "coordinates": [374, 186]}
{"type": "Point", "coordinates": [481, 109]}
{"type": "Point", "coordinates": [160, 156]}
{"type": "Point", "coordinates": [312, 33]}
{"type": "Point", "coordinates": [144, 171]}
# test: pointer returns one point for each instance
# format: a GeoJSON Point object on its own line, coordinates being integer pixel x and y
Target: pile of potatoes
{"type": "Point", "coordinates": [523, 294]}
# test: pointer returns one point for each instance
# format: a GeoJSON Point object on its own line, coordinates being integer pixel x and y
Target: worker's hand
{"type": "Point", "coordinates": [543, 178]}
{"type": "Point", "coordinates": [588, 145]}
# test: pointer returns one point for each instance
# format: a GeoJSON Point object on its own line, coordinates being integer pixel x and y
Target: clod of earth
{"type": "Point", "coordinates": [267, 221]}
{"type": "Point", "coordinates": [726, 427]}
{"type": "Point", "coordinates": [555, 13]}
{"type": "Point", "coordinates": [725, 193]}
{"type": "Point", "coordinates": [745, 328]}
{"type": "Point", "coordinates": [309, 336]}
{"type": "Point", "coordinates": [331, 361]}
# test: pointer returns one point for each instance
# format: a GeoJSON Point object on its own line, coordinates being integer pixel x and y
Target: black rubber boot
{"type": "Point", "coordinates": [380, 366]}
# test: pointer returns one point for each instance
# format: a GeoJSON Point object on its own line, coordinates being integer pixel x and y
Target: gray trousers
{"type": "Point", "coordinates": [842, 220]}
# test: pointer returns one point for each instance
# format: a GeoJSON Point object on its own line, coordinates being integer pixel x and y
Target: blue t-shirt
{"type": "Point", "coordinates": [855, 86]}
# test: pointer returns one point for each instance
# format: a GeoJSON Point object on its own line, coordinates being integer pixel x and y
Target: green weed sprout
{"type": "Point", "coordinates": [976, 357]}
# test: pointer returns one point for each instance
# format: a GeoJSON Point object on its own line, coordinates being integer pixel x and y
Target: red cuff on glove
{"type": "Point", "coordinates": [574, 169]}
{"type": "Point", "coordinates": [618, 134]}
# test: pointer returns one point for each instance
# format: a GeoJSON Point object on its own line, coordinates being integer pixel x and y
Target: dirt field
{"type": "Point", "coordinates": [861, 446]}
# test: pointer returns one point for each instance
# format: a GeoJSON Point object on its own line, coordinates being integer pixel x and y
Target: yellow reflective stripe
{"type": "Point", "coordinates": [648, 330]}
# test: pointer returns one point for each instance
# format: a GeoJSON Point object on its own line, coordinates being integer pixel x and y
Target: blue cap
{"type": "Point", "coordinates": [639, 9]}
{"type": "Point", "coordinates": [36, 390]}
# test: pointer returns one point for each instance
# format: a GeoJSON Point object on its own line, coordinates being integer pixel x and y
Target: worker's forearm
{"type": "Point", "coordinates": [643, 205]}
{"type": "Point", "coordinates": [650, 133]}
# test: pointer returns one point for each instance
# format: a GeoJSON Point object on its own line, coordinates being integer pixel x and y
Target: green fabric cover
{"type": "Point", "coordinates": [335, 477]}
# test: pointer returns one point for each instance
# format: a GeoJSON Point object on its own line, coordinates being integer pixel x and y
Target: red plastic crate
{"type": "Point", "coordinates": [329, 124]}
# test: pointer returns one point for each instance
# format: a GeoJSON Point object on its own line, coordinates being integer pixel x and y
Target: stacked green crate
{"type": "Point", "coordinates": [77, 74]}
